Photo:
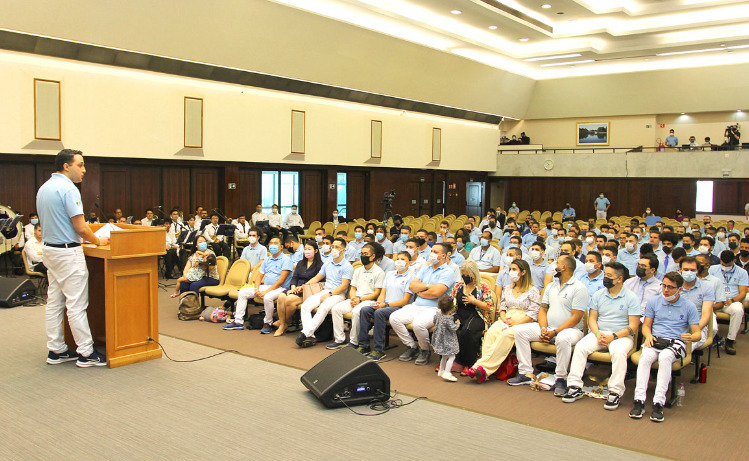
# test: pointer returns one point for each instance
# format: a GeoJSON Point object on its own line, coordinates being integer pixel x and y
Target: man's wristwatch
{"type": "Point", "coordinates": [387, 304]}
{"type": "Point", "coordinates": [614, 335]}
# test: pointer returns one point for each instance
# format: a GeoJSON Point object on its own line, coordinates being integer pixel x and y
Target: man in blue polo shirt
{"type": "Point", "coordinates": [613, 320]}
{"type": "Point", "coordinates": [63, 227]}
{"type": "Point", "coordinates": [568, 214]}
{"type": "Point", "coordinates": [593, 278]}
{"type": "Point", "coordinates": [702, 295]}
{"type": "Point", "coordinates": [430, 284]}
{"type": "Point", "coordinates": [276, 270]}
{"type": "Point", "coordinates": [601, 206]}
{"type": "Point", "coordinates": [674, 321]}
{"type": "Point", "coordinates": [254, 253]}
{"type": "Point", "coordinates": [735, 282]}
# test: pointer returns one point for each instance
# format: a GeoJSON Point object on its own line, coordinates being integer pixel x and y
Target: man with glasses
{"type": "Point", "coordinates": [670, 322]}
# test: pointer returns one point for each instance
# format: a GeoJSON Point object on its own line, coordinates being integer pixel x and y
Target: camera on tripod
{"type": "Point", "coordinates": [387, 199]}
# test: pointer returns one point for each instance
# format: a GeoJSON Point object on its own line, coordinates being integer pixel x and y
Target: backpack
{"type": "Point", "coordinates": [189, 306]}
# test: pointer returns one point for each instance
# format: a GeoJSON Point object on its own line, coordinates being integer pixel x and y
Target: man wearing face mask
{"type": "Point", "coordinates": [490, 213]}
{"type": "Point", "coordinates": [631, 253]}
{"type": "Point", "coordinates": [258, 215]}
{"type": "Point", "coordinates": [701, 293]}
{"type": "Point", "coordinates": [366, 284]}
{"type": "Point", "coordinates": [400, 244]}
{"type": "Point", "coordinates": [354, 248]}
{"type": "Point", "coordinates": [294, 222]}
{"type": "Point", "coordinates": [337, 274]}
{"type": "Point", "coordinates": [487, 257]}
{"type": "Point", "coordinates": [319, 234]}
{"type": "Point", "coordinates": [564, 302]}
{"type": "Point", "coordinates": [514, 208]}
{"type": "Point", "coordinates": [646, 285]}
{"type": "Point", "coordinates": [276, 225]}
{"type": "Point", "coordinates": [492, 228]}
{"type": "Point", "coordinates": [706, 247]}
{"type": "Point", "coordinates": [735, 284]}
{"type": "Point", "coordinates": [531, 236]}
{"type": "Point", "coordinates": [613, 319]}
{"type": "Point", "coordinates": [295, 249]}
{"type": "Point", "coordinates": [589, 244]}
{"type": "Point", "coordinates": [721, 240]}
{"type": "Point", "coordinates": [412, 248]}
{"type": "Point", "coordinates": [254, 252]}
{"type": "Point", "coordinates": [743, 257]}
{"type": "Point", "coordinates": [601, 206]}
{"type": "Point", "coordinates": [395, 230]}
{"type": "Point", "coordinates": [380, 238]}
{"type": "Point", "coordinates": [538, 265]}
{"type": "Point", "coordinates": [272, 279]}
{"type": "Point", "coordinates": [667, 263]}
{"type": "Point", "coordinates": [326, 249]}
{"type": "Point", "coordinates": [430, 284]}
{"type": "Point", "coordinates": [424, 250]}
{"type": "Point", "coordinates": [456, 257]}
{"type": "Point", "coordinates": [28, 229]}
{"type": "Point", "coordinates": [673, 321]}
{"type": "Point", "coordinates": [593, 278]}
{"type": "Point", "coordinates": [568, 213]}
{"type": "Point", "coordinates": [687, 242]}
{"type": "Point", "coordinates": [444, 232]}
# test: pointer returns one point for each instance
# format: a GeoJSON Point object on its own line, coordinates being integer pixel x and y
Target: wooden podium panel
{"type": "Point", "coordinates": [123, 306]}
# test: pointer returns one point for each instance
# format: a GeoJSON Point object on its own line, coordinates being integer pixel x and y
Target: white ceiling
{"type": "Point", "coordinates": [610, 36]}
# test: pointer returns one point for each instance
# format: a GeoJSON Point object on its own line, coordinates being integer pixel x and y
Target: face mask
{"type": "Point", "coordinates": [467, 279]}
{"type": "Point", "coordinates": [590, 268]}
{"type": "Point", "coordinates": [671, 298]}
{"type": "Point", "coordinates": [259, 210]}
{"type": "Point", "coordinates": [610, 236]}
{"type": "Point", "coordinates": [34, 221]}
{"type": "Point", "coordinates": [513, 204]}
{"type": "Point", "coordinates": [335, 215]}
{"type": "Point", "coordinates": [357, 235]}
{"type": "Point", "coordinates": [514, 276]}
{"type": "Point", "coordinates": [589, 240]}
{"type": "Point", "coordinates": [309, 254]}
{"type": "Point", "coordinates": [293, 211]}
{"type": "Point", "coordinates": [202, 246]}
{"type": "Point", "coordinates": [379, 236]}
{"type": "Point", "coordinates": [459, 245]}
{"type": "Point", "coordinates": [726, 268]}
{"type": "Point", "coordinates": [721, 235]}
{"type": "Point", "coordinates": [608, 283]}
{"type": "Point", "coordinates": [601, 195]}
{"type": "Point", "coordinates": [325, 248]}
{"type": "Point", "coordinates": [733, 245]}
{"type": "Point", "coordinates": [434, 259]}
{"type": "Point", "coordinates": [667, 250]}
{"type": "Point", "coordinates": [484, 242]}
{"type": "Point", "coordinates": [514, 245]}
{"type": "Point", "coordinates": [535, 254]}
{"type": "Point", "coordinates": [687, 246]}
{"type": "Point", "coordinates": [605, 259]}
{"type": "Point", "coordinates": [704, 249]}
{"type": "Point", "coordinates": [629, 247]}
{"type": "Point", "coordinates": [411, 251]}
{"type": "Point", "coordinates": [334, 253]}
{"type": "Point", "coordinates": [567, 239]}
{"type": "Point", "coordinates": [557, 273]}
{"type": "Point", "coordinates": [273, 249]}
{"type": "Point", "coordinates": [647, 211]}
{"type": "Point", "coordinates": [365, 259]}
{"type": "Point", "coordinates": [689, 276]}
{"type": "Point", "coordinates": [318, 238]}
{"type": "Point", "coordinates": [370, 232]}
{"type": "Point", "coordinates": [253, 240]}
{"type": "Point", "coordinates": [640, 272]}
{"type": "Point", "coordinates": [509, 260]}
{"type": "Point", "coordinates": [400, 264]}
{"type": "Point", "coordinates": [554, 232]}
{"type": "Point", "coordinates": [403, 237]}
{"type": "Point", "coordinates": [744, 253]}
{"type": "Point", "coordinates": [430, 244]}
{"type": "Point", "coordinates": [492, 225]}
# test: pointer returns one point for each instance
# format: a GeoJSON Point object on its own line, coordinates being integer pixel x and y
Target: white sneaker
{"type": "Point", "coordinates": [447, 376]}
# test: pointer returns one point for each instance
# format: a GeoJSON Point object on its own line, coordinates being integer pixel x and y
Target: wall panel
{"type": "Point", "coordinates": [175, 188]}
{"type": "Point", "coordinates": [356, 194]}
{"type": "Point", "coordinates": [145, 191]}
{"type": "Point", "coordinates": [20, 196]}
{"type": "Point", "coordinates": [311, 207]}
{"type": "Point", "coordinates": [204, 188]}
{"type": "Point", "coordinates": [116, 191]}
{"type": "Point", "coordinates": [249, 190]}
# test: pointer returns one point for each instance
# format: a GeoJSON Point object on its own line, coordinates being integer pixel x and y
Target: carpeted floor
{"type": "Point", "coordinates": [712, 421]}
{"type": "Point", "coordinates": [228, 407]}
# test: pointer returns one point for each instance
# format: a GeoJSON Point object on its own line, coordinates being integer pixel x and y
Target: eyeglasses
{"type": "Point", "coordinates": [669, 287]}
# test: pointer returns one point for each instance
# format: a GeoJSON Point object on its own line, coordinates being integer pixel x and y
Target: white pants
{"type": "Point", "coordinates": [344, 307]}
{"type": "Point", "coordinates": [665, 358]}
{"type": "Point", "coordinates": [68, 289]}
{"type": "Point", "coordinates": [600, 214]}
{"type": "Point", "coordinates": [245, 294]}
{"type": "Point", "coordinates": [704, 332]}
{"type": "Point", "coordinates": [421, 319]}
{"type": "Point", "coordinates": [310, 324]}
{"type": "Point", "coordinates": [528, 332]}
{"type": "Point", "coordinates": [736, 311]}
{"type": "Point", "coordinates": [618, 348]}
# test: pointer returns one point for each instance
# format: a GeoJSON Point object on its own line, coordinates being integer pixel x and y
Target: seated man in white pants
{"type": "Point", "coordinates": [613, 320]}
{"type": "Point", "coordinates": [366, 286]}
{"type": "Point", "coordinates": [430, 283]}
{"type": "Point", "coordinates": [702, 295]}
{"type": "Point", "coordinates": [736, 282]}
{"type": "Point", "coordinates": [670, 322]}
{"type": "Point", "coordinates": [276, 270]}
{"type": "Point", "coordinates": [560, 322]}
{"type": "Point", "coordinates": [337, 274]}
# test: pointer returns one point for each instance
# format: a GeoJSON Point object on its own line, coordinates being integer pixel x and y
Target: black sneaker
{"type": "Point", "coordinates": [637, 410]}
{"type": "Point", "coordinates": [573, 394]}
{"type": "Point", "coordinates": [94, 360]}
{"type": "Point", "coordinates": [309, 341]}
{"type": "Point", "coordinates": [299, 339]}
{"type": "Point", "coordinates": [657, 414]}
{"type": "Point", "coordinates": [376, 356]}
{"type": "Point", "coordinates": [560, 387]}
{"type": "Point", "coordinates": [67, 356]}
{"type": "Point", "coordinates": [730, 347]}
{"type": "Point", "coordinates": [612, 402]}
{"type": "Point", "coordinates": [410, 354]}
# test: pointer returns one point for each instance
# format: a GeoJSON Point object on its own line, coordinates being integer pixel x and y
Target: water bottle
{"type": "Point", "coordinates": [680, 395]}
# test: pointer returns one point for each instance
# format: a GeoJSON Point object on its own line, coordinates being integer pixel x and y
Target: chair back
{"type": "Point", "coordinates": [238, 273]}
{"type": "Point", "coordinates": [222, 266]}
{"type": "Point", "coordinates": [28, 270]}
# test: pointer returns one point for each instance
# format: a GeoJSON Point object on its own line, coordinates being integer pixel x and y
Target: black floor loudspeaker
{"type": "Point", "coordinates": [14, 292]}
{"type": "Point", "coordinates": [347, 376]}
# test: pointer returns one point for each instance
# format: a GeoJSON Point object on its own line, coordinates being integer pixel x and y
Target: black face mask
{"type": "Point", "coordinates": [667, 250]}
{"type": "Point", "coordinates": [640, 272]}
{"type": "Point", "coordinates": [733, 245]}
{"type": "Point", "coordinates": [467, 279]}
{"type": "Point", "coordinates": [701, 268]}
{"type": "Point", "coordinates": [608, 283]}
{"type": "Point", "coordinates": [744, 253]}
{"type": "Point", "coordinates": [563, 253]}
{"type": "Point", "coordinates": [687, 246]}
{"type": "Point", "coordinates": [366, 259]}
{"type": "Point", "coordinates": [558, 274]}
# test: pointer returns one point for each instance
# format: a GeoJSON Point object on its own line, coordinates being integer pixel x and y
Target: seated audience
{"type": "Point", "coordinates": [294, 222]}
{"type": "Point", "coordinates": [200, 270]}
{"type": "Point", "coordinates": [295, 249]}
{"type": "Point", "coordinates": [33, 250]}
{"type": "Point", "coordinates": [701, 293]}
{"type": "Point", "coordinates": [645, 285]}
{"type": "Point", "coordinates": [147, 221]}
{"type": "Point", "coordinates": [487, 257]}
{"type": "Point", "coordinates": [287, 303]}
{"type": "Point", "coordinates": [736, 283]}
{"type": "Point", "coordinates": [218, 242]}
{"type": "Point", "coordinates": [275, 225]}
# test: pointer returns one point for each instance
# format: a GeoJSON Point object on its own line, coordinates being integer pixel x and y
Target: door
{"type": "Point", "coordinates": [474, 198]}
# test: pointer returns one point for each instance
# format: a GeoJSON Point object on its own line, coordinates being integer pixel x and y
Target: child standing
{"type": "Point", "coordinates": [445, 338]}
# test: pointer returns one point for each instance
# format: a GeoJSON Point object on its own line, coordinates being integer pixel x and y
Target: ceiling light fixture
{"type": "Point", "coordinates": [546, 6]}
{"type": "Point", "coordinates": [567, 63]}
{"type": "Point", "coordinates": [456, 12]}
{"type": "Point", "coordinates": [492, 27]}
{"type": "Point", "coordinates": [559, 56]}
{"type": "Point", "coordinates": [524, 39]}
{"type": "Point", "coordinates": [683, 113]}
{"type": "Point", "coordinates": [704, 50]}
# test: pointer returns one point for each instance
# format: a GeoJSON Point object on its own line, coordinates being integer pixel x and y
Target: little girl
{"type": "Point", "coordinates": [445, 338]}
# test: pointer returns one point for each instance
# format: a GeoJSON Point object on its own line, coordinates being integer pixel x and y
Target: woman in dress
{"type": "Point", "coordinates": [289, 302]}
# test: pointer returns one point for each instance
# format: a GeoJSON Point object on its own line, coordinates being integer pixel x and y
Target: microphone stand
{"type": "Point", "coordinates": [221, 215]}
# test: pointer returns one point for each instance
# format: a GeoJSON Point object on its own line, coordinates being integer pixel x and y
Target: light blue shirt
{"type": "Point", "coordinates": [496, 232]}
{"type": "Point", "coordinates": [538, 273]}
{"type": "Point", "coordinates": [439, 237]}
{"type": "Point", "coordinates": [614, 312]}
{"type": "Point", "coordinates": [562, 300]}
{"type": "Point", "coordinates": [272, 268]}
{"type": "Point", "coordinates": [336, 273]}
{"type": "Point", "coordinates": [732, 279]}
{"type": "Point", "coordinates": [443, 275]}
{"type": "Point", "coordinates": [529, 239]}
{"type": "Point", "coordinates": [353, 250]}
{"type": "Point", "coordinates": [298, 255]}
{"type": "Point", "coordinates": [568, 213]}
{"type": "Point", "coordinates": [629, 260]}
{"type": "Point", "coordinates": [398, 246]}
{"type": "Point", "coordinates": [592, 284]}
{"type": "Point", "coordinates": [601, 203]}
{"type": "Point", "coordinates": [671, 320]}
{"type": "Point", "coordinates": [503, 277]}
{"type": "Point", "coordinates": [702, 291]}
{"type": "Point", "coordinates": [424, 254]}
{"type": "Point", "coordinates": [643, 289]}
{"type": "Point", "coordinates": [254, 255]}
{"type": "Point", "coordinates": [719, 291]}
{"type": "Point", "coordinates": [57, 201]}
{"type": "Point", "coordinates": [486, 259]}
{"type": "Point", "coordinates": [325, 258]}
{"type": "Point", "coordinates": [457, 258]}
{"type": "Point", "coordinates": [672, 141]}
{"type": "Point", "coordinates": [396, 285]}
{"type": "Point", "coordinates": [387, 264]}
{"type": "Point", "coordinates": [387, 245]}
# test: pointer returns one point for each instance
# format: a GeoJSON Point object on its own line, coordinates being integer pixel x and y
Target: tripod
{"type": "Point", "coordinates": [388, 214]}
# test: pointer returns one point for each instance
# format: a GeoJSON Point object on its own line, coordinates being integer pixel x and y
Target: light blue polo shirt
{"type": "Point", "coordinates": [387, 245]}
{"type": "Point", "coordinates": [57, 201]}
{"type": "Point", "coordinates": [443, 275]}
{"type": "Point", "coordinates": [298, 255]}
{"type": "Point", "coordinates": [457, 258]}
{"type": "Point", "coordinates": [601, 203]}
{"type": "Point", "coordinates": [671, 320]}
{"type": "Point", "coordinates": [629, 260]}
{"type": "Point", "coordinates": [396, 285]}
{"type": "Point", "coordinates": [272, 268]}
{"type": "Point", "coordinates": [486, 259]}
{"type": "Point", "coordinates": [702, 291]}
{"type": "Point", "coordinates": [398, 246]}
{"type": "Point", "coordinates": [424, 254]}
{"type": "Point", "coordinates": [614, 312]}
{"type": "Point", "coordinates": [353, 250]}
{"type": "Point", "coordinates": [335, 273]}
{"type": "Point", "coordinates": [718, 290]}
{"type": "Point", "coordinates": [592, 284]}
{"type": "Point", "coordinates": [732, 279]}
{"type": "Point", "coordinates": [325, 258]}
{"type": "Point", "coordinates": [563, 299]}
{"type": "Point", "coordinates": [254, 255]}
{"type": "Point", "coordinates": [568, 213]}
{"type": "Point", "coordinates": [538, 273]}
{"type": "Point", "coordinates": [387, 264]}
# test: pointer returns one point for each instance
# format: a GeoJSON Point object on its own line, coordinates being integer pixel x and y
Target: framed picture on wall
{"type": "Point", "coordinates": [593, 133]}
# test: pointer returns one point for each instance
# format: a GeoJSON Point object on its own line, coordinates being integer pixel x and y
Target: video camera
{"type": "Point", "coordinates": [387, 199]}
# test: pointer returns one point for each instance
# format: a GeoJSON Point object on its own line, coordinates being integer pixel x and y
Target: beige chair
{"type": "Point", "coordinates": [311, 230]}
{"type": "Point", "coordinates": [222, 266]}
{"type": "Point", "coordinates": [40, 277]}
{"type": "Point", "coordinates": [329, 228]}
{"type": "Point", "coordinates": [235, 278]}
{"type": "Point", "coordinates": [233, 293]}
{"type": "Point", "coordinates": [678, 365]}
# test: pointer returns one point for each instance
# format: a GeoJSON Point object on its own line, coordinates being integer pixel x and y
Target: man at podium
{"type": "Point", "coordinates": [58, 202]}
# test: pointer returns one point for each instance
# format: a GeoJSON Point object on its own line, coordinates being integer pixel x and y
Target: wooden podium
{"type": "Point", "coordinates": [123, 308]}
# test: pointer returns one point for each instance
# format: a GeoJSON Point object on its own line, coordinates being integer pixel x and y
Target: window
{"type": "Point", "coordinates": [280, 188]}
{"type": "Point", "coordinates": [341, 199]}
{"type": "Point", "coordinates": [704, 197]}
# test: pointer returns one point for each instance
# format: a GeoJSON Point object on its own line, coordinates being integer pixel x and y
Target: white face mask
{"type": "Point", "coordinates": [318, 238]}
{"type": "Point", "coordinates": [509, 260]}
{"type": "Point", "coordinates": [253, 240]}
{"type": "Point", "coordinates": [629, 247]}
{"type": "Point", "coordinates": [554, 232]}
{"type": "Point", "coordinates": [411, 251]}
{"type": "Point", "coordinates": [535, 254]}
{"type": "Point", "coordinates": [293, 211]}
{"type": "Point", "coordinates": [589, 240]}
{"type": "Point", "coordinates": [671, 298]}
{"type": "Point", "coordinates": [567, 238]}
{"type": "Point", "coordinates": [335, 215]}
{"type": "Point", "coordinates": [325, 248]}
{"type": "Point", "coordinates": [590, 268]}
{"type": "Point", "coordinates": [434, 259]}
{"type": "Point", "coordinates": [721, 235]}
{"type": "Point", "coordinates": [400, 264]}
{"type": "Point", "coordinates": [605, 259]}
{"type": "Point", "coordinates": [704, 249]}
{"type": "Point", "coordinates": [370, 232]}
{"type": "Point", "coordinates": [514, 276]}
{"type": "Point", "coordinates": [726, 268]}
{"type": "Point", "coordinates": [334, 253]}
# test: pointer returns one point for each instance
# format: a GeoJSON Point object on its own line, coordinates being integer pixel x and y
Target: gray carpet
{"type": "Point", "coordinates": [227, 407]}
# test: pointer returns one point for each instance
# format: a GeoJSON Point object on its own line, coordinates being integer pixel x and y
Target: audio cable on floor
{"type": "Point", "coordinates": [382, 407]}
{"type": "Point", "coordinates": [193, 360]}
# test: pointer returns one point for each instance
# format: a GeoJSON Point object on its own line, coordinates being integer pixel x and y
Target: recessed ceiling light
{"type": "Point", "coordinates": [683, 113]}
{"type": "Point", "coordinates": [567, 63]}
{"type": "Point", "coordinates": [524, 39]}
{"type": "Point", "coordinates": [546, 6]}
{"type": "Point", "coordinates": [456, 12]}
{"type": "Point", "coordinates": [492, 27]}
{"type": "Point", "coordinates": [722, 44]}
{"type": "Point", "coordinates": [559, 56]}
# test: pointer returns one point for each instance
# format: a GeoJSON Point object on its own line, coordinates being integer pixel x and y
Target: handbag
{"type": "Point", "coordinates": [508, 369]}
{"type": "Point", "coordinates": [309, 289]}
{"type": "Point", "coordinates": [662, 343]}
